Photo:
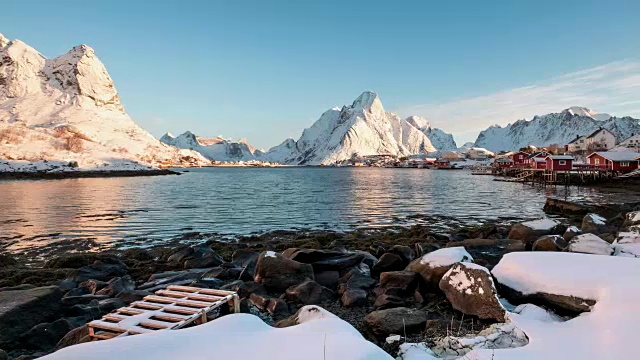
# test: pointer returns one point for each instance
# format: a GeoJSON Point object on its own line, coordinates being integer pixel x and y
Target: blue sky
{"type": "Point", "coordinates": [265, 70]}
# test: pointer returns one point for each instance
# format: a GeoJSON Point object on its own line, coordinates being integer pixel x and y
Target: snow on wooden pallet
{"type": "Point", "coordinates": [168, 309]}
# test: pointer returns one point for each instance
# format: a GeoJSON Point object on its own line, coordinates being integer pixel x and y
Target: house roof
{"type": "Point", "coordinates": [618, 155]}
{"type": "Point", "coordinates": [560, 157]}
{"type": "Point", "coordinates": [536, 154]}
{"type": "Point", "coordinates": [504, 160]}
{"type": "Point", "coordinates": [597, 131]}
{"type": "Point", "coordinates": [539, 159]}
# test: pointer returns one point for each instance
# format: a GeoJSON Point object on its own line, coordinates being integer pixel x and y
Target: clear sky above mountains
{"type": "Point", "coordinates": [267, 69]}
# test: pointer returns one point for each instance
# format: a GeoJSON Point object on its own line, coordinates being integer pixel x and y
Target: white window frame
{"type": "Point", "coordinates": [562, 162]}
{"type": "Point", "coordinates": [596, 161]}
{"type": "Point", "coordinates": [625, 164]}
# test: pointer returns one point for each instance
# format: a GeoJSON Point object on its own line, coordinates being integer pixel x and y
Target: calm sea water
{"type": "Point", "coordinates": [247, 200]}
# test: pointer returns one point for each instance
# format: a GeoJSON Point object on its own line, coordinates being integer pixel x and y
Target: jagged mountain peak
{"type": "Point", "coordinates": [4, 41]}
{"type": "Point", "coordinates": [418, 121]}
{"type": "Point", "coordinates": [369, 101]}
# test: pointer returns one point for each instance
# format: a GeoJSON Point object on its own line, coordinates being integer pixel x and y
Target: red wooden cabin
{"type": "Point", "coordinates": [520, 158]}
{"type": "Point", "coordinates": [559, 162]}
{"type": "Point", "coordinates": [614, 160]}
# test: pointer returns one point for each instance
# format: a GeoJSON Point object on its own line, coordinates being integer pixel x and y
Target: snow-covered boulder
{"type": "Point", "coordinates": [469, 288]}
{"type": "Point", "coordinates": [608, 331]}
{"type": "Point", "coordinates": [589, 244]}
{"type": "Point", "coordinates": [594, 223]}
{"type": "Point", "coordinates": [318, 334]}
{"type": "Point", "coordinates": [435, 264]}
{"type": "Point", "coordinates": [530, 231]}
{"type": "Point", "coordinates": [277, 273]}
{"type": "Point", "coordinates": [571, 232]}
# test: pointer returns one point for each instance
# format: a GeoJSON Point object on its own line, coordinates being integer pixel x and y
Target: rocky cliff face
{"type": "Point", "coordinates": [67, 109]}
{"type": "Point", "coordinates": [217, 149]}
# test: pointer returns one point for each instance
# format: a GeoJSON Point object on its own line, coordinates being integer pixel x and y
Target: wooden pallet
{"type": "Point", "coordinates": [172, 308]}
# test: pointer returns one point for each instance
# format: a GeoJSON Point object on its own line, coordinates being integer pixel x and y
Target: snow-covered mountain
{"type": "Point", "coordinates": [67, 110]}
{"type": "Point", "coordinates": [556, 128]}
{"type": "Point", "coordinates": [218, 148]}
{"type": "Point", "coordinates": [441, 140]}
{"type": "Point", "coordinates": [363, 128]}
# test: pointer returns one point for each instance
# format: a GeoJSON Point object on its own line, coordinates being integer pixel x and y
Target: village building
{"type": "Point", "coordinates": [559, 162]}
{"type": "Point", "coordinates": [614, 160]}
{"type": "Point", "coordinates": [503, 163]}
{"type": "Point", "coordinates": [578, 144]}
{"type": "Point", "coordinates": [520, 158]}
{"type": "Point", "coordinates": [632, 142]}
{"type": "Point", "coordinates": [538, 163]}
{"type": "Point", "coordinates": [452, 155]}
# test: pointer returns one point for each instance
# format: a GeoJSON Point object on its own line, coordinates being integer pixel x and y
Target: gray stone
{"type": "Point", "coordinates": [400, 320]}
{"type": "Point", "coordinates": [309, 293]}
{"type": "Point", "coordinates": [277, 273]}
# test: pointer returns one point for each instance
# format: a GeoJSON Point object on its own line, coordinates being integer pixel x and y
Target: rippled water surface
{"type": "Point", "coordinates": [246, 200]}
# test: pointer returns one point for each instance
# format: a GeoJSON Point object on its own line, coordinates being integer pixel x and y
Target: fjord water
{"type": "Point", "coordinates": [145, 210]}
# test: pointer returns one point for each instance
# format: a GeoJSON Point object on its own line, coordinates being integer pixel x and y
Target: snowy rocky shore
{"type": "Point", "coordinates": [481, 292]}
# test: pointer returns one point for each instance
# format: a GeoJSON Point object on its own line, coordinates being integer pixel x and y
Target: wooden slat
{"type": "Point", "coordinates": [114, 317]}
{"type": "Point", "coordinates": [200, 290]}
{"type": "Point", "coordinates": [145, 305]}
{"type": "Point", "coordinates": [180, 302]}
{"type": "Point", "coordinates": [155, 324]}
{"type": "Point", "coordinates": [180, 310]}
{"type": "Point", "coordinates": [103, 325]}
{"type": "Point", "coordinates": [171, 318]}
{"type": "Point", "coordinates": [190, 296]}
{"type": "Point", "coordinates": [130, 311]}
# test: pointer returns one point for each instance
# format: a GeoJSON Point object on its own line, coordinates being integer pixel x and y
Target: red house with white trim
{"type": "Point", "coordinates": [559, 162]}
{"type": "Point", "coordinates": [614, 160]}
{"type": "Point", "coordinates": [503, 163]}
{"type": "Point", "coordinates": [520, 158]}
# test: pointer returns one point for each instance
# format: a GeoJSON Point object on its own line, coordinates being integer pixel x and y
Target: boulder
{"type": "Point", "coordinates": [273, 306]}
{"type": "Point", "coordinates": [571, 232]}
{"type": "Point", "coordinates": [560, 304]}
{"type": "Point", "coordinates": [400, 283]}
{"type": "Point", "coordinates": [327, 279]}
{"type": "Point", "coordinates": [550, 243]}
{"type": "Point", "coordinates": [595, 224]}
{"type": "Point", "coordinates": [405, 252]}
{"type": "Point", "coordinates": [138, 254]}
{"type": "Point", "coordinates": [400, 320]}
{"type": "Point", "coordinates": [388, 262]}
{"type": "Point", "coordinates": [162, 280]}
{"type": "Point", "coordinates": [277, 273]}
{"type": "Point", "coordinates": [180, 255]}
{"type": "Point", "coordinates": [246, 260]}
{"type": "Point", "coordinates": [3, 354]}
{"type": "Point", "coordinates": [469, 288]}
{"type": "Point", "coordinates": [76, 336]}
{"type": "Point", "coordinates": [82, 299]}
{"type": "Point", "coordinates": [388, 301]}
{"type": "Point", "coordinates": [530, 231]}
{"type": "Point", "coordinates": [590, 244]}
{"type": "Point", "coordinates": [46, 335]}
{"type": "Point", "coordinates": [355, 279]}
{"type": "Point", "coordinates": [432, 266]}
{"type": "Point", "coordinates": [129, 296]}
{"type": "Point", "coordinates": [354, 297]}
{"type": "Point", "coordinates": [20, 310]}
{"type": "Point", "coordinates": [309, 293]}
{"type": "Point", "coordinates": [108, 305]}
{"type": "Point", "coordinates": [203, 262]}
{"type": "Point", "coordinates": [99, 270]}
{"type": "Point", "coordinates": [89, 287]}
{"type": "Point", "coordinates": [117, 285]}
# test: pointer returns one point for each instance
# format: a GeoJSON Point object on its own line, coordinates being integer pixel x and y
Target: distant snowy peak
{"type": "Point", "coordinates": [217, 149]}
{"type": "Point", "coordinates": [555, 128]}
{"type": "Point", "coordinates": [441, 140]}
{"type": "Point", "coordinates": [361, 129]}
{"type": "Point", "coordinates": [3, 41]}
{"type": "Point", "coordinates": [583, 111]}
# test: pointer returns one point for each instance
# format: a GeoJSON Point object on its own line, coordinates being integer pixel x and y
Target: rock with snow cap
{"type": "Point", "coordinates": [595, 224]}
{"type": "Point", "coordinates": [435, 264]}
{"type": "Point", "coordinates": [550, 243]}
{"type": "Point", "coordinates": [631, 219]}
{"type": "Point", "coordinates": [571, 232]}
{"type": "Point", "coordinates": [590, 244]}
{"type": "Point", "coordinates": [530, 231]}
{"type": "Point", "coordinates": [469, 288]}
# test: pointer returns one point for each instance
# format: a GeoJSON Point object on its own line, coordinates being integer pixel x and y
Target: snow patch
{"type": "Point", "coordinates": [446, 257]}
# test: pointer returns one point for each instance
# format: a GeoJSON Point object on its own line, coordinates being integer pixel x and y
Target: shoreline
{"type": "Point", "coordinates": [29, 175]}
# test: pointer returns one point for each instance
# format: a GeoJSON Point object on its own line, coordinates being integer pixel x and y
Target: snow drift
{"type": "Point", "coordinates": [320, 335]}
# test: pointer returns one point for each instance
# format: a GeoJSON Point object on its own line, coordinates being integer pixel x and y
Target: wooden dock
{"type": "Point", "coordinates": [555, 177]}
